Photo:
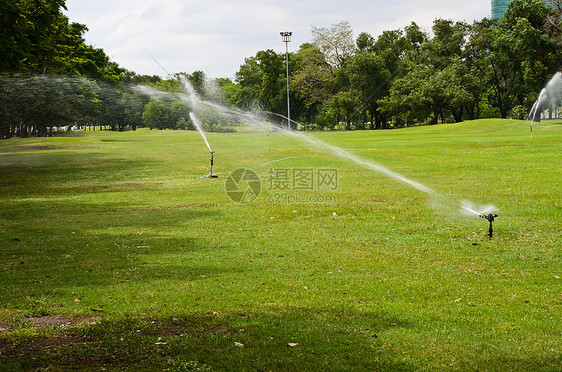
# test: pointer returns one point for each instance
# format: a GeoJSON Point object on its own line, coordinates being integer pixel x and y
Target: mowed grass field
{"type": "Point", "coordinates": [115, 253]}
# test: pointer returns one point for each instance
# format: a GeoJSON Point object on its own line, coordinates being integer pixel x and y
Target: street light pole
{"type": "Point", "coordinates": [286, 36]}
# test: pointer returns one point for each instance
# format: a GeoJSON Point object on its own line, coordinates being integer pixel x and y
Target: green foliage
{"type": "Point", "coordinates": [37, 38]}
{"type": "Point", "coordinates": [182, 123]}
{"type": "Point", "coordinates": [218, 127]}
{"type": "Point", "coordinates": [312, 82]}
{"type": "Point", "coordinates": [516, 55]}
{"type": "Point", "coordinates": [401, 77]}
{"type": "Point", "coordinates": [157, 115]}
{"type": "Point", "coordinates": [365, 42]}
{"type": "Point", "coordinates": [37, 105]}
{"type": "Point", "coordinates": [407, 75]}
{"type": "Point", "coordinates": [486, 110]}
{"type": "Point", "coordinates": [519, 112]}
{"type": "Point", "coordinates": [229, 91]}
{"type": "Point", "coordinates": [262, 80]}
{"type": "Point", "coordinates": [161, 114]}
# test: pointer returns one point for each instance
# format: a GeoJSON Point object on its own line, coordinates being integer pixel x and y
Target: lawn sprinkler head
{"type": "Point", "coordinates": [490, 217]}
{"type": "Point", "coordinates": [212, 175]}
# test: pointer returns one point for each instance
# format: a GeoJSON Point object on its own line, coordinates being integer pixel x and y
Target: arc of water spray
{"type": "Point", "coordinates": [197, 125]}
{"type": "Point", "coordinates": [158, 63]}
{"type": "Point", "coordinates": [470, 208]}
{"type": "Point", "coordinates": [251, 119]}
{"type": "Point", "coordinates": [369, 164]}
{"type": "Point", "coordinates": [283, 116]}
{"type": "Point", "coordinates": [464, 205]}
{"type": "Point", "coordinates": [276, 161]}
{"type": "Point", "coordinates": [363, 162]}
{"type": "Point", "coordinates": [549, 94]}
{"type": "Point", "coordinates": [533, 112]}
{"type": "Point", "coordinates": [196, 103]}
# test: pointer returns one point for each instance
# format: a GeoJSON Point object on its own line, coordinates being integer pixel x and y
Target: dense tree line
{"type": "Point", "coordinates": [41, 104]}
{"type": "Point", "coordinates": [51, 79]}
{"type": "Point", "coordinates": [491, 68]}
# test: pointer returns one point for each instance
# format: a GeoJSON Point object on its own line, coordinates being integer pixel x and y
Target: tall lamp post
{"type": "Point", "coordinates": [286, 36]}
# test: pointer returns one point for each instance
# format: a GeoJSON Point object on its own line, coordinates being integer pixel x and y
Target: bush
{"type": "Point", "coordinates": [218, 128]}
{"type": "Point", "coordinates": [518, 112]}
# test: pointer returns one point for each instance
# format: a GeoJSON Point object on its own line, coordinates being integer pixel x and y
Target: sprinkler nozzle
{"type": "Point", "coordinates": [490, 217]}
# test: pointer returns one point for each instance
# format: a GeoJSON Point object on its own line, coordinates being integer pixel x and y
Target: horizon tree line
{"type": "Point", "coordinates": [51, 79]}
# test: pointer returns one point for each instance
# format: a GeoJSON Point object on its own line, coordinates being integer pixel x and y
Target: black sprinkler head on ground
{"type": "Point", "coordinates": [211, 175]}
{"type": "Point", "coordinates": [490, 217]}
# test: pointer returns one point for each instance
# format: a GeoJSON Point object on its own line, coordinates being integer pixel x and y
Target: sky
{"type": "Point", "coordinates": [215, 36]}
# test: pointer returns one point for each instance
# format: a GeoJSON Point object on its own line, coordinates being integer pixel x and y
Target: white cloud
{"type": "Point", "coordinates": [216, 35]}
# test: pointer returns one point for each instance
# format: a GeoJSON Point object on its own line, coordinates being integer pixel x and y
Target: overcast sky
{"type": "Point", "coordinates": [216, 35]}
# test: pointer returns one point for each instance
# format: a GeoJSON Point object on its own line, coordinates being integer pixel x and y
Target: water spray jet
{"type": "Point", "coordinates": [257, 119]}
{"type": "Point", "coordinates": [549, 98]}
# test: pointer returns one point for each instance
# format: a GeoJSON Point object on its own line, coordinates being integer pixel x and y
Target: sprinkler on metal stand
{"type": "Point", "coordinates": [212, 163]}
{"type": "Point", "coordinates": [490, 217]}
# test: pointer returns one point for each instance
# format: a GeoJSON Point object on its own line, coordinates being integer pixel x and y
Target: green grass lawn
{"type": "Point", "coordinates": [116, 254]}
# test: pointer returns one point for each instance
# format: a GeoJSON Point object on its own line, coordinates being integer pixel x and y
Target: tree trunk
{"type": "Point", "coordinates": [470, 112]}
{"type": "Point", "coordinates": [5, 131]}
{"type": "Point", "coordinates": [435, 117]}
{"type": "Point", "coordinates": [457, 115]}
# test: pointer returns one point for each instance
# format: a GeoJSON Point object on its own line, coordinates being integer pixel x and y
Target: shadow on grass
{"type": "Point", "coordinates": [72, 169]}
{"type": "Point", "coordinates": [290, 339]}
{"type": "Point", "coordinates": [92, 248]}
{"type": "Point", "coordinates": [73, 220]}
{"type": "Point", "coordinates": [40, 174]}
{"type": "Point", "coordinates": [293, 339]}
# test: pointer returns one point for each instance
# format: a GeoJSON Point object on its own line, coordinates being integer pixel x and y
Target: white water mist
{"type": "Point", "coordinates": [197, 125]}
{"type": "Point", "coordinates": [549, 96]}
{"type": "Point", "coordinates": [369, 164]}
{"type": "Point", "coordinates": [468, 208]}
{"type": "Point", "coordinates": [256, 119]}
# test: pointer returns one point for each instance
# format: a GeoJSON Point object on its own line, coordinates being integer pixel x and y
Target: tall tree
{"type": "Point", "coordinates": [553, 25]}
{"type": "Point", "coordinates": [156, 115]}
{"type": "Point", "coordinates": [514, 56]}
{"type": "Point", "coordinates": [371, 80]}
{"type": "Point", "coordinates": [335, 43]}
{"type": "Point", "coordinates": [313, 82]}
{"type": "Point", "coordinates": [262, 82]}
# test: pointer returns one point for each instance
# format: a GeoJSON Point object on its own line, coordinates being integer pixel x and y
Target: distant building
{"type": "Point", "coordinates": [500, 6]}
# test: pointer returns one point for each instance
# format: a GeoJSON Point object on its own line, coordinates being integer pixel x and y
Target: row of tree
{"type": "Point", "coordinates": [50, 78]}
{"type": "Point", "coordinates": [491, 68]}
{"type": "Point", "coordinates": [39, 105]}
